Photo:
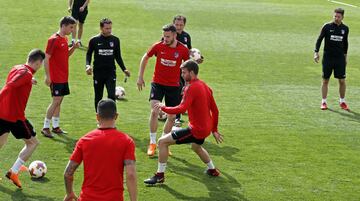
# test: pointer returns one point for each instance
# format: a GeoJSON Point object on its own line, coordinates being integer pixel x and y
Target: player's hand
{"type": "Point", "coordinates": [81, 9]}
{"type": "Point", "coordinates": [127, 73]}
{"type": "Point", "coordinates": [70, 197]}
{"type": "Point", "coordinates": [218, 137]}
{"type": "Point", "coordinates": [69, 9]}
{"type": "Point", "coordinates": [140, 83]}
{"type": "Point", "coordinates": [316, 57]}
{"type": "Point", "coordinates": [47, 81]}
{"type": "Point", "coordinates": [33, 81]}
{"type": "Point", "coordinates": [88, 70]}
{"type": "Point", "coordinates": [158, 106]}
{"type": "Point", "coordinates": [199, 61]}
{"type": "Point", "coordinates": [76, 45]}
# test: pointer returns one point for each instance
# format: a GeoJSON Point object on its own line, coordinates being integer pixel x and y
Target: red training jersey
{"type": "Point", "coordinates": [15, 94]}
{"type": "Point", "coordinates": [57, 47]}
{"type": "Point", "coordinates": [202, 110]}
{"type": "Point", "coordinates": [103, 152]}
{"type": "Point", "coordinates": [168, 61]}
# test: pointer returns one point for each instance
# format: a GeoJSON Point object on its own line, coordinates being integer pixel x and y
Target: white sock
{"type": "Point", "coordinates": [323, 100]}
{"type": "Point", "coordinates": [55, 122]}
{"type": "Point", "coordinates": [73, 40]}
{"type": "Point", "coordinates": [16, 167]}
{"type": "Point", "coordinates": [78, 40]}
{"type": "Point", "coordinates": [161, 167]}
{"type": "Point", "coordinates": [46, 123]}
{"type": "Point", "coordinates": [342, 100]}
{"type": "Point", "coordinates": [152, 138]}
{"type": "Point", "coordinates": [210, 165]}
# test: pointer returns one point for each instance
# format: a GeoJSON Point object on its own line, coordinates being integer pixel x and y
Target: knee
{"type": "Point", "coordinates": [196, 149]}
{"type": "Point", "coordinates": [34, 142]}
{"type": "Point", "coordinates": [154, 113]}
{"type": "Point", "coordinates": [342, 82]}
{"type": "Point", "coordinates": [325, 82]}
{"type": "Point", "coordinates": [162, 142]}
{"type": "Point", "coordinates": [171, 117]}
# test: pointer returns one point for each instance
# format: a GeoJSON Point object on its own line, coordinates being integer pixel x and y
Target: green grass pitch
{"type": "Point", "coordinates": [278, 144]}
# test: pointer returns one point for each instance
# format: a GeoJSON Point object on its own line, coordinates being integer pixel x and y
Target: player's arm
{"type": "Point", "coordinates": [183, 106]}
{"type": "Point", "coordinates": [70, 5]}
{"type": "Point", "coordinates": [131, 181]}
{"type": "Point", "coordinates": [215, 117]}
{"type": "Point", "coordinates": [69, 178]}
{"type": "Point", "coordinates": [119, 59]}
{"type": "Point", "coordinates": [143, 63]}
{"type": "Point", "coordinates": [82, 8]}
{"type": "Point", "coordinates": [318, 44]}
{"type": "Point", "coordinates": [72, 48]}
{"type": "Point", "coordinates": [46, 67]}
{"type": "Point", "coordinates": [89, 53]}
{"type": "Point", "coordinates": [346, 45]}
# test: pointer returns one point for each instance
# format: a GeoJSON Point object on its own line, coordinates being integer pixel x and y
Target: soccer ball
{"type": "Point", "coordinates": [195, 54]}
{"type": "Point", "coordinates": [37, 169]}
{"type": "Point", "coordinates": [120, 93]}
{"type": "Point", "coordinates": [162, 116]}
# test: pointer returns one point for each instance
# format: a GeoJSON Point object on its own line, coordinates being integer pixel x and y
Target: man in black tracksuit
{"type": "Point", "coordinates": [106, 48]}
{"type": "Point", "coordinates": [335, 52]}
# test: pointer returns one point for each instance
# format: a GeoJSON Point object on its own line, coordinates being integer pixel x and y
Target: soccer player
{"type": "Point", "coordinates": [169, 55]}
{"type": "Point", "coordinates": [335, 55]}
{"type": "Point", "coordinates": [203, 119]}
{"type": "Point", "coordinates": [107, 49]}
{"type": "Point", "coordinates": [57, 73]}
{"type": "Point", "coordinates": [79, 11]}
{"type": "Point", "coordinates": [13, 99]}
{"type": "Point", "coordinates": [105, 152]}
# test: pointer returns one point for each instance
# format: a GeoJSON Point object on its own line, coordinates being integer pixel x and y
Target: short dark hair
{"type": "Point", "coordinates": [169, 27]}
{"type": "Point", "coordinates": [340, 11]}
{"type": "Point", "coordinates": [105, 21]}
{"type": "Point", "coordinates": [106, 109]}
{"type": "Point", "coordinates": [67, 20]}
{"type": "Point", "coordinates": [180, 17]}
{"type": "Point", "coordinates": [35, 55]}
{"type": "Point", "coordinates": [191, 65]}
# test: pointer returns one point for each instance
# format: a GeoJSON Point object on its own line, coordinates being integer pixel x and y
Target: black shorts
{"type": "Point", "coordinates": [184, 136]}
{"type": "Point", "coordinates": [79, 16]}
{"type": "Point", "coordinates": [20, 129]}
{"type": "Point", "coordinates": [338, 65]}
{"type": "Point", "coordinates": [59, 89]}
{"type": "Point", "coordinates": [172, 94]}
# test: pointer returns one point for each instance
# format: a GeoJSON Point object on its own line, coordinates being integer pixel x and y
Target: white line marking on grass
{"type": "Point", "coordinates": [342, 3]}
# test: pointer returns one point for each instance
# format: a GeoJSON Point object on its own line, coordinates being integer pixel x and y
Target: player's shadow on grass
{"type": "Point", "coordinates": [68, 141]}
{"type": "Point", "coordinates": [224, 187]}
{"type": "Point", "coordinates": [216, 150]}
{"type": "Point", "coordinates": [349, 114]}
{"type": "Point", "coordinates": [41, 180]}
{"type": "Point", "coordinates": [19, 195]}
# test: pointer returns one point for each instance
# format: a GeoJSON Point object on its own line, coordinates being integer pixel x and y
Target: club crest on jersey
{"type": "Point", "coordinates": [185, 39]}
{"type": "Point", "coordinates": [111, 44]}
{"type": "Point", "coordinates": [176, 55]}
{"type": "Point", "coordinates": [342, 31]}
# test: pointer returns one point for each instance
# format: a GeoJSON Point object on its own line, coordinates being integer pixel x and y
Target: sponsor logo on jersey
{"type": "Point", "coordinates": [169, 63]}
{"type": "Point", "coordinates": [336, 38]}
{"type": "Point", "coordinates": [106, 52]}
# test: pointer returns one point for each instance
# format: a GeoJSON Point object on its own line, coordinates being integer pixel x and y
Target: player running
{"type": "Point", "coordinates": [203, 120]}
{"type": "Point", "coordinates": [169, 55]}
{"type": "Point", "coordinates": [105, 152]}
{"type": "Point", "coordinates": [106, 48]}
{"type": "Point", "coordinates": [335, 55]}
{"type": "Point", "coordinates": [13, 99]}
{"type": "Point", "coordinates": [57, 73]}
{"type": "Point", "coordinates": [79, 11]}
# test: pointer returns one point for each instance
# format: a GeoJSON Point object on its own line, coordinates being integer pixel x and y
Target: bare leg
{"type": "Point", "coordinates": [324, 88]}
{"type": "Point", "coordinates": [342, 88]}
{"type": "Point", "coordinates": [73, 34]}
{"type": "Point", "coordinates": [3, 139]}
{"type": "Point", "coordinates": [29, 148]}
{"type": "Point", "coordinates": [201, 152]}
{"type": "Point", "coordinates": [54, 107]}
{"type": "Point", "coordinates": [164, 142]}
{"type": "Point", "coordinates": [169, 123]}
{"type": "Point", "coordinates": [80, 31]}
{"type": "Point", "coordinates": [153, 122]}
